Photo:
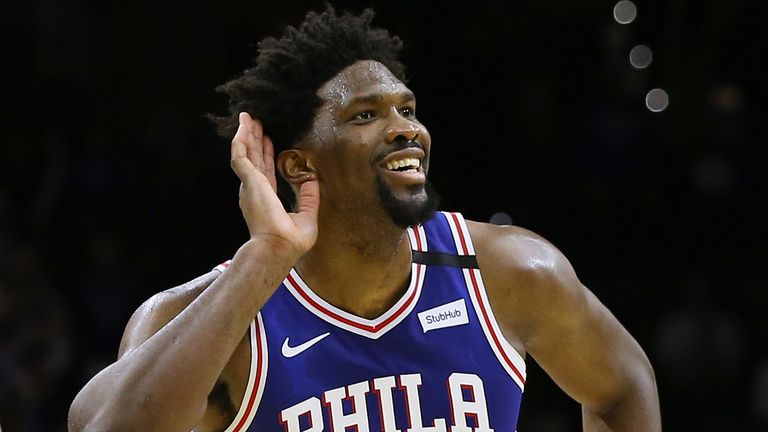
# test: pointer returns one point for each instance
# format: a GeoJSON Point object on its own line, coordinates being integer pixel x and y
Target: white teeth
{"type": "Point", "coordinates": [411, 163]}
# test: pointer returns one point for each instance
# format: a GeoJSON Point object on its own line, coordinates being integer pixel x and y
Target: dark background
{"type": "Point", "coordinates": [114, 187]}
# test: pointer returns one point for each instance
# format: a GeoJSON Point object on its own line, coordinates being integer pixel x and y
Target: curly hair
{"type": "Point", "coordinates": [281, 88]}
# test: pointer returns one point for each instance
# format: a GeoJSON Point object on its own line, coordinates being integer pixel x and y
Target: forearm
{"type": "Point", "coordinates": [637, 411]}
{"type": "Point", "coordinates": [163, 384]}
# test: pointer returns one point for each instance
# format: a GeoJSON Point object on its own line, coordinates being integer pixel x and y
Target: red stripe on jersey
{"type": "Point", "coordinates": [418, 238]}
{"type": "Point", "coordinates": [337, 317]}
{"type": "Point", "coordinates": [496, 341]}
{"type": "Point", "coordinates": [476, 287]}
{"type": "Point", "coordinates": [407, 302]}
{"type": "Point", "coordinates": [255, 390]}
{"type": "Point", "coordinates": [465, 249]}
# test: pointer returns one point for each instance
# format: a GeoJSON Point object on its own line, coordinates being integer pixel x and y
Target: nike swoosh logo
{"type": "Point", "coordinates": [289, 351]}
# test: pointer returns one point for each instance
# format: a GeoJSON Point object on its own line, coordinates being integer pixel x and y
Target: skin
{"type": "Point", "coordinates": [160, 382]}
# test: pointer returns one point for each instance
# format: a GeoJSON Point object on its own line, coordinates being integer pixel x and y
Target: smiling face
{"type": "Point", "coordinates": [367, 147]}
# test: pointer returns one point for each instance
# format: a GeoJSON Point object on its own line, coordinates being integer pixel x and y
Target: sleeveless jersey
{"type": "Point", "coordinates": [436, 361]}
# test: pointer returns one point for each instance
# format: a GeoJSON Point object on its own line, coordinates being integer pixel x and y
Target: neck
{"type": "Point", "coordinates": [361, 266]}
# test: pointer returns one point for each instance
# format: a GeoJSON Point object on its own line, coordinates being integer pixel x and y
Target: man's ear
{"type": "Point", "coordinates": [295, 166]}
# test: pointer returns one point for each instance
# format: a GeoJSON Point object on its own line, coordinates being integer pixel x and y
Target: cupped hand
{"type": "Point", "coordinates": [253, 160]}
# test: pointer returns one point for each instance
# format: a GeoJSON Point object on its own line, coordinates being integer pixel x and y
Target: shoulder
{"type": "Point", "coordinates": [528, 279]}
{"type": "Point", "coordinates": [514, 249]}
{"type": "Point", "coordinates": [160, 309]}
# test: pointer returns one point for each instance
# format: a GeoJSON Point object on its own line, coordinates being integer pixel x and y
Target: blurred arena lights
{"type": "Point", "coordinates": [501, 218]}
{"type": "Point", "coordinates": [657, 100]}
{"type": "Point", "coordinates": [641, 56]}
{"type": "Point", "coordinates": [624, 12]}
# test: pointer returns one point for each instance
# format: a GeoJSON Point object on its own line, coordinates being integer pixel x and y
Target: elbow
{"type": "Point", "coordinates": [636, 407]}
{"type": "Point", "coordinates": [644, 377]}
{"type": "Point", "coordinates": [636, 379]}
{"type": "Point", "coordinates": [639, 385]}
{"type": "Point", "coordinates": [103, 418]}
{"type": "Point", "coordinates": [92, 411]}
{"type": "Point", "coordinates": [81, 412]}
{"type": "Point", "coordinates": [91, 414]}
{"type": "Point", "coordinates": [79, 420]}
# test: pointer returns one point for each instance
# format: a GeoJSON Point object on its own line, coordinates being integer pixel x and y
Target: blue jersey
{"type": "Point", "coordinates": [436, 361]}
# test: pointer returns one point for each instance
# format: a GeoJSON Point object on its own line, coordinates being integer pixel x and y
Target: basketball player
{"type": "Point", "coordinates": [363, 308]}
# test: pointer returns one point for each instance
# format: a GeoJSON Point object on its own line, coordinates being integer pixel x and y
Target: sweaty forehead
{"type": "Point", "coordinates": [365, 77]}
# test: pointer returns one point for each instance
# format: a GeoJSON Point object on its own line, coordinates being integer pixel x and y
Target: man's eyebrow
{"type": "Point", "coordinates": [405, 96]}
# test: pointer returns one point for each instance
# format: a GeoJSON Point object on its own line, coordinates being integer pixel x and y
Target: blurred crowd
{"type": "Point", "coordinates": [113, 186]}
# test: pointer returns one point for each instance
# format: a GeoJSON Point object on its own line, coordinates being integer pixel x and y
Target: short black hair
{"type": "Point", "coordinates": [281, 88]}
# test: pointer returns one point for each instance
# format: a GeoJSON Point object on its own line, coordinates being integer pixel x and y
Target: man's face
{"type": "Point", "coordinates": [370, 152]}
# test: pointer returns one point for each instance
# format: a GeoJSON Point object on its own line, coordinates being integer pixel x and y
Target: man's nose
{"type": "Point", "coordinates": [402, 128]}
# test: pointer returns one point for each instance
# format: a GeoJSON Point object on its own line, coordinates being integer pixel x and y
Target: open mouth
{"type": "Point", "coordinates": [408, 164]}
{"type": "Point", "coordinates": [405, 167]}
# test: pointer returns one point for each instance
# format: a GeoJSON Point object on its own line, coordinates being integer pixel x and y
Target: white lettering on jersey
{"type": "Point", "coordinates": [290, 416]}
{"type": "Point", "coordinates": [474, 406]}
{"type": "Point", "coordinates": [383, 388]}
{"type": "Point", "coordinates": [410, 383]}
{"type": "Point", "coordinates": [359, 416]}
{"type": "Point", "coordinates": [466, 391]}
{"type": "Point", "coordinates": [447, 315]}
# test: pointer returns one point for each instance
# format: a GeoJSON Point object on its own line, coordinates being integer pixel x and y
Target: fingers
{"type": "Point", "coordinates": [248, 149]}
{"type": "Point", "coordinates": [309, 197]}
{"type": "Point", "coordinates": [238, 148]}
{"type": "Point", "coordinates": [308, 205]}
{"type": "Point", "coordinates": [269, 161]}
{"type": "Point", "coordinates": [239, 161]}
{"type": "Point", "coordinates": [254, 142]}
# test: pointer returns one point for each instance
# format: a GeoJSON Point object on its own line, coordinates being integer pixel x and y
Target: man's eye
{"type": "Point", "coordinates": [365, 115]}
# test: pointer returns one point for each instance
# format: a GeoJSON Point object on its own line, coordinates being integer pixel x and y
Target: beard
{"type": "Point", "coordinates": [408, 212]}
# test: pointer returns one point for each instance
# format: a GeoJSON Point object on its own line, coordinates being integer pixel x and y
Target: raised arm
{"type": "Point", "coordinates": [544, 308]}
{"type": "Point", "coordinates": [175, 350]}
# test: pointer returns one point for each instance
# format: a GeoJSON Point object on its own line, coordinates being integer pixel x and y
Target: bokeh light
{"type": "Point", "coordinates": [657, 100]}
{"type": "Point", "coordinates": [625, 12]}
{"type": "Point", "coordinates": [641, 56]}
